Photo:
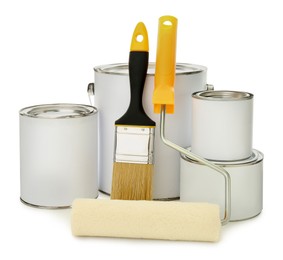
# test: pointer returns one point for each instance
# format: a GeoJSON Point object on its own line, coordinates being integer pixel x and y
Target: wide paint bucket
{"type": "Point", "coordinates": [199, 183]}
{"type": "Point", "coordinates": [112, 96]}
{"type": "Point", "coordinates": [58, 154]}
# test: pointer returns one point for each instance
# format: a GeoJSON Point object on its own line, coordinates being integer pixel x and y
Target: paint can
{"type": "Point", "coordinates": [112, 95]}
{"type": "Point", "coordinates": [58, 154]}
{"type": "Point", "coordinates": [198, 183]}
{"type": "Point", "coordinates": [222, 125]}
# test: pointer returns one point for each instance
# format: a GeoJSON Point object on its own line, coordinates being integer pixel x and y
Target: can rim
{"type": "Point", "coordinates": [222, 95]}
{"type": "Point", "coordinates": [58, 111]}
{"type": "Point", "coordinates": [122, 69]}
{"type": "Point", "coordinates": [255, 158]}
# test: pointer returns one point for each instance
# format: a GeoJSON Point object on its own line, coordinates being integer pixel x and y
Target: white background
{"type": "Point", "coordinates": [47, 53]}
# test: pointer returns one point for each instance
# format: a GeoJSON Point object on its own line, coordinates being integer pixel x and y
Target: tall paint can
{"type": "Point", "coordinates": [58, 154]}
{"type": "Point", "coordinates": [112, 96]}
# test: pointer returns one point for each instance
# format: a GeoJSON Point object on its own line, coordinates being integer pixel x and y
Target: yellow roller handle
{"type": "Point", "coordinates": [165, 64]}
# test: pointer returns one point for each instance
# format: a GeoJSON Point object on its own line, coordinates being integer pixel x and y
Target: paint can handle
{"type": "Point", "coordinates": [91, 92]}
{"type": "Point", "coordinates": [209, 87]}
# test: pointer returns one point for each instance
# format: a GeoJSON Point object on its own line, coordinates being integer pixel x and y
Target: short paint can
{"type": "Point", "coordinates": [112, 97]}
{"type": "Point", "coordinates": [222, 125]}
{"type": "Point", "coordinates": [198, 183]}
{"type": "Point", "coordinates": [58, 154]}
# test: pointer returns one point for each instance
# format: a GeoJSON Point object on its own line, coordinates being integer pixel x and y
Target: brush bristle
{"type": "Point", "coordinates": [131, 181]}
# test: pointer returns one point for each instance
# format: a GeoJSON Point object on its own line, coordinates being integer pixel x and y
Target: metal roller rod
{"type": "Point", "coordinates": [203, 161]}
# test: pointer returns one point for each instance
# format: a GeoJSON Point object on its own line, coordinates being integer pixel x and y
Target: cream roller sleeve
{"type": "Point", "coordinates": [146, 219]}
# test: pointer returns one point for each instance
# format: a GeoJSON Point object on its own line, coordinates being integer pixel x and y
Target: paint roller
{"type": "Point", "coordinates": [172, 220]}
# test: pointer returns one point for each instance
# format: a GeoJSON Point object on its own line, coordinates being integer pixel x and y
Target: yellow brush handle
{"type": "Point", "coordinates": [165, 64]}
{"type": "Point", "coordinates": [140, 38]}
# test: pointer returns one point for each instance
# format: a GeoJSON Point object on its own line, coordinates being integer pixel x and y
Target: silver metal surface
{"type": "Point", "coordinates": [44, 207]}
{"type": "Point", "coordinates": [58, 111]}
{"type": "Point", "coordinates": [91, 92]}
{"type": "Point", "coordinates": [134, 144]}
{"type": "Point", "coordinates": [255, 158]}
{"type": "Point", "coordinates": [222, 95]}
{"type": "Point", "coordinates": [163, 199]}
{"type": "Point", "coordinates": [203, 161]}
{"type": "Point", "coordinates": [245, 218]}
{"type": "Point", "coordinates": [122, 69]}
{"type": "Point", "coordinates": [209, 87]}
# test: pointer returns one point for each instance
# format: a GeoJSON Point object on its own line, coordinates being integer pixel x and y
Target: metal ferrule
{"type": "Point", "coordinates": [134, 144]}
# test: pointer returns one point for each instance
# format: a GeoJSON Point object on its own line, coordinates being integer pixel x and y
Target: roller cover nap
{"type": "Point", "coordinates": [146, 219]}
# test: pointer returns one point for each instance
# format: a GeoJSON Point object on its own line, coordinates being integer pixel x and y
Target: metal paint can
{"type": "Point", "coordinates": [58, 154]}
{"type": "Point", "coordinates": [222, 125]}
{"type": "Point", "coordinates": [198, 183]}
{"type": "Point", "coordinates": [112, 95]}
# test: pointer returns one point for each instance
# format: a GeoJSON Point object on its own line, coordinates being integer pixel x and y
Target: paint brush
{"type": "Point", "coordinates": [134, 131]}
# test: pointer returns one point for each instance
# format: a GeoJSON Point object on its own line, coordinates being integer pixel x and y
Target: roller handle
{"type": "Point", "coordinates": [138, 63]}
{"type": "Point", "coordinates": [165, 64]}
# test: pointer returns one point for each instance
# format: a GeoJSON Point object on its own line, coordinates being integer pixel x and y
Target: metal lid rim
{"type": "Point", "coordinates": [25, 112]}
{"type": "Point", "coordinates": [102, 68]}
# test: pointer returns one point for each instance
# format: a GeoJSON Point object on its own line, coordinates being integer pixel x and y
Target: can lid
{"type": "Point", "coordinates": [222, 95]}
{"type": "Point", "coordinates": [58, 111]}
{"type": "Point", "coordinates": [122, 69]}
{"type": "Point", "coordinates": [255, 158]}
